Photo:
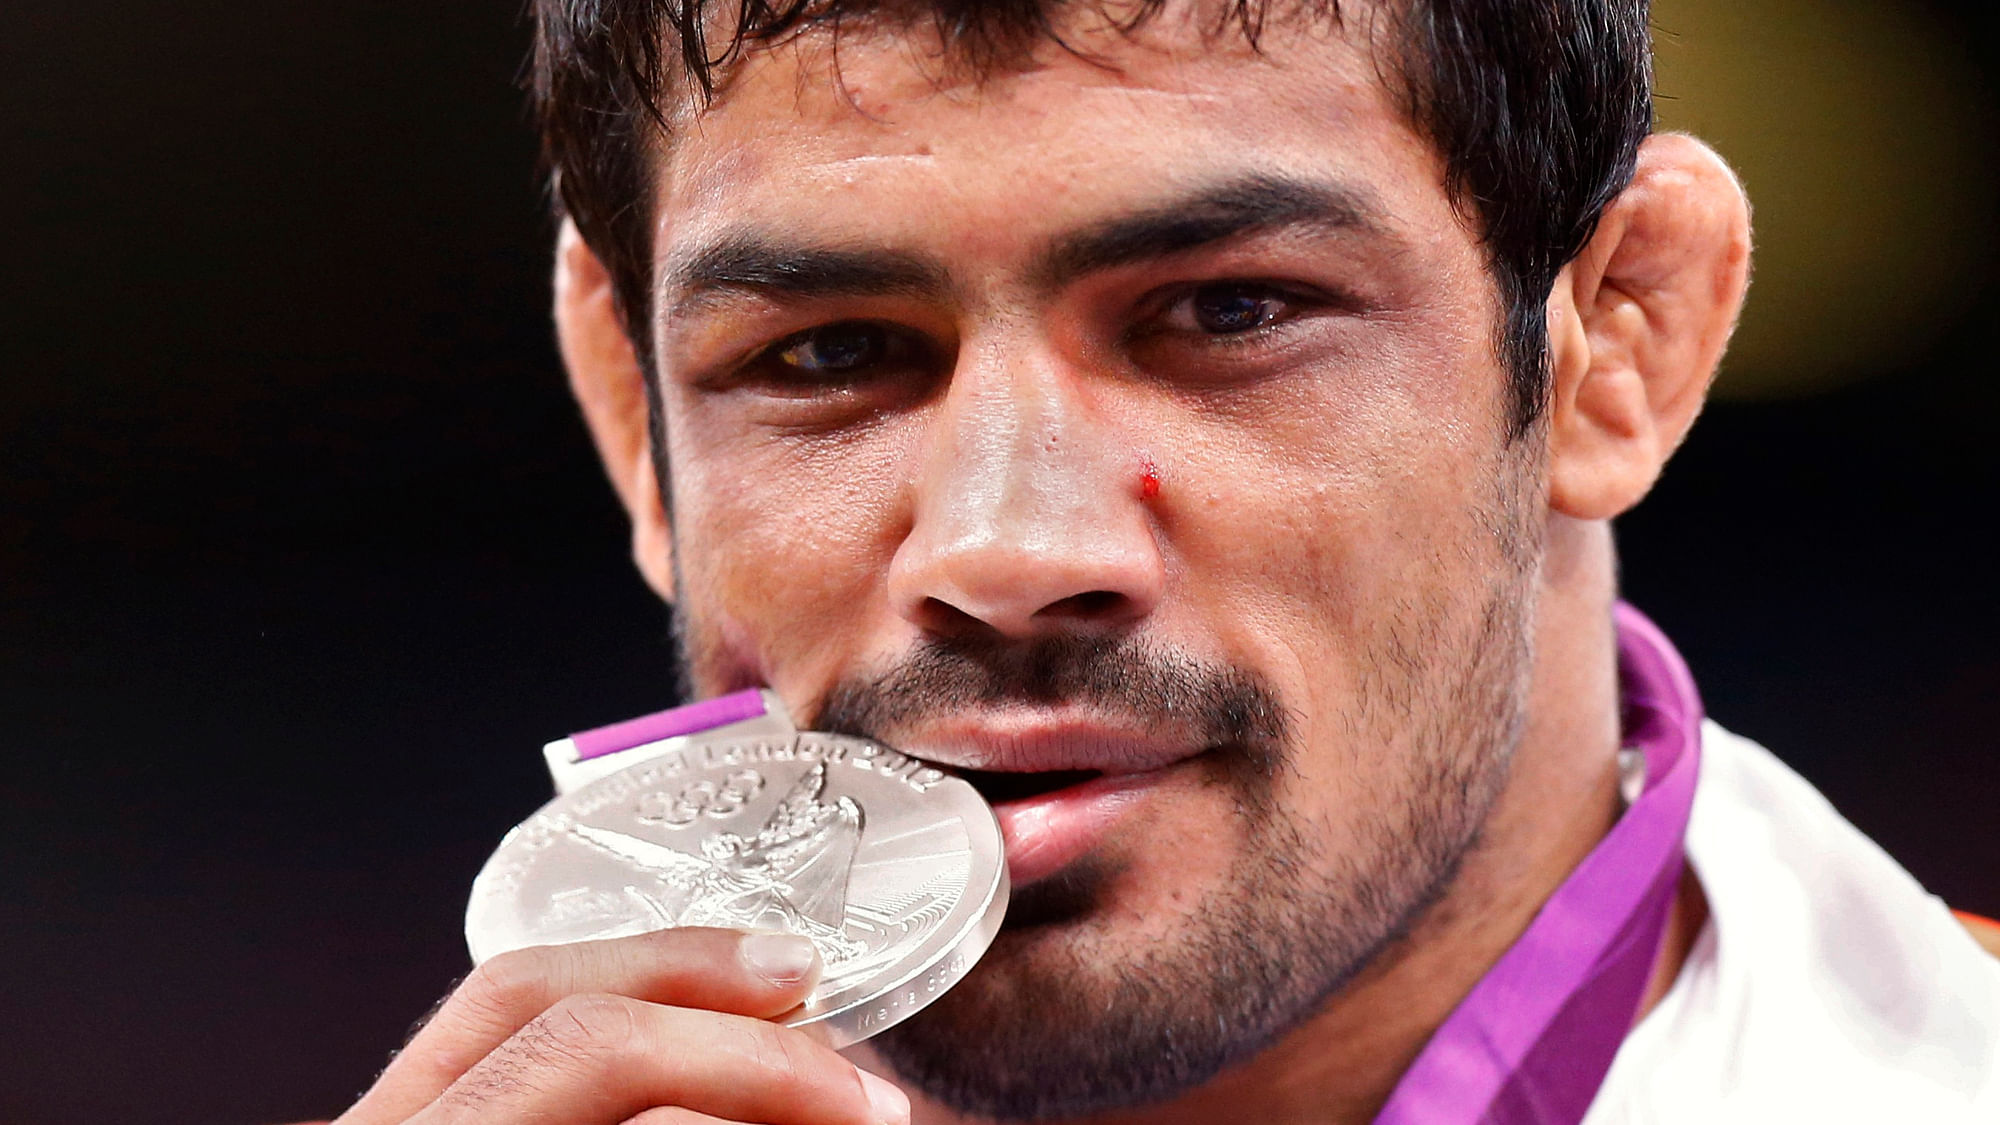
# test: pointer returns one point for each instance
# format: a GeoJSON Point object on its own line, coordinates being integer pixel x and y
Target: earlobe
{"type": "Point", "coordinates": [609, 385]}
{"type": "Point", "coordinates": [1638, 323]}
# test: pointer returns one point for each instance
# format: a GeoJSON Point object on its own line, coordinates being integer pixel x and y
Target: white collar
{"type": "Point", "coordinates": [1827, 986]}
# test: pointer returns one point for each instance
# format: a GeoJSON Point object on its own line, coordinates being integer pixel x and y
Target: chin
{"type": "Point", "coordinates": [1132, 978]}
{"type": "Point", "coordinates": [1090, 1001]}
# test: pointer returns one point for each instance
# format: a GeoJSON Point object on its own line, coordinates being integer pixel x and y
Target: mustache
{"type": "Point", "coordinates": [1161, 687]}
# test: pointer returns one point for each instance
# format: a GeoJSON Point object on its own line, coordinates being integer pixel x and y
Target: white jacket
{"type": "Point", "coordinates": [1827, 986]}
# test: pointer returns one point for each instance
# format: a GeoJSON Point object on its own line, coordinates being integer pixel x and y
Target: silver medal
{"type": "Point", "coordinates": [892, 868]}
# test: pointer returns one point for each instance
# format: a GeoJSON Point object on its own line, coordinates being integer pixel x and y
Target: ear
{"type": "Point", "coordinates": [609, 385]}
{"type": "Point", "coordinates": [1638, 323]}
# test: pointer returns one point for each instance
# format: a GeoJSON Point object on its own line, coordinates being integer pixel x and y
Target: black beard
{"type": "Point", "coordinates": [1058, 1021]}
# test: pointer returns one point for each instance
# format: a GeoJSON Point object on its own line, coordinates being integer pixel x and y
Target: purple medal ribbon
{"type": "Point", "coordinates": [1531, 1043]}
{"type": "Point", "coordinates": [690, 719]}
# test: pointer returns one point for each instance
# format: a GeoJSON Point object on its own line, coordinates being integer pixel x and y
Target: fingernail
{"type": "Point", "coordinates": [891, 1106]}
{"type": "Point", "coordinates": [778, 958]}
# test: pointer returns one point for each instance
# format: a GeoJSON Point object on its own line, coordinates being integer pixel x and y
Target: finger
{"type": "Point", "coordinates": [748, 974]}
{"type": "Point", "coordinates": [599, 1059]}
{"type": "Point", "coordinates": [675, 1115]}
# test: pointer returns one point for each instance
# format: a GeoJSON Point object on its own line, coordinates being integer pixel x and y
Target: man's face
{"type": "Point", "coordinates": [1134, 422]}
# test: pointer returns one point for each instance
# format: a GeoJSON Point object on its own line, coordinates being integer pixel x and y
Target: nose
{"type": "Point", "coordinates": [1028, 516]}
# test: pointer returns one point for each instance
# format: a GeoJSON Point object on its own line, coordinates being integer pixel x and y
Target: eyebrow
{"type": "Point", "coordinates": [747, 262]}
{"type": "Point", "coordinates": [1232, 209]}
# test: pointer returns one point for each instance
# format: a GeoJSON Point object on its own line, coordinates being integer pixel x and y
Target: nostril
{"type": "Point", "coordinates": [1089, 605]}
{"type": "Point", "coordinates": [945, 619]}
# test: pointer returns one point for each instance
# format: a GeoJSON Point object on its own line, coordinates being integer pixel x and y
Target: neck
{"type": "Point", "coordinates": [1560, 799]}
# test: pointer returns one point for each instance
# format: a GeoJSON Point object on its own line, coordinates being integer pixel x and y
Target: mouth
{"type": "Point", "coordinates": [1001, 787]}
{"type": "Point", "coordinates": [1049, 819]}
{"type": "Point", "coordinates": [1057, 781]}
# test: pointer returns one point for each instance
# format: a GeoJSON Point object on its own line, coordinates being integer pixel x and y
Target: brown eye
{"type": "Point", "coordinates": [1226, 310]}
{"type": "Point", "coordinates": [837, 349]}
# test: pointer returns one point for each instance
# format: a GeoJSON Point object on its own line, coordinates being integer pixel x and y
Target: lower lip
{"type": "Point", "coordinates": [1047, 832]}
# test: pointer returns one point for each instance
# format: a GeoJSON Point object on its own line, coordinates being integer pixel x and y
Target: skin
{"type": "Point", "coordinates": [1321, 486]}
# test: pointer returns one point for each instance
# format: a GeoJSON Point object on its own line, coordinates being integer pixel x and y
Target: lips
{"type": "Point", "coordinates": [1057, 786]}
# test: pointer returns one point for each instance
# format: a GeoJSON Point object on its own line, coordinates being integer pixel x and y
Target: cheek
{"type": "Point", "coordinates": [1351, 486]}
{"type": "Point", "coordinates": [783, 546]}
{"type": "Point", "coordinates": [1359, 506]}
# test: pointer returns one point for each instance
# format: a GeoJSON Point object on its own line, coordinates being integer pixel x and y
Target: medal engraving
{"type": "Point", "coordinates": [702, 797]}
{"type": "Point", "coordinates": [893, 869]}
{"type": "Point", "coordinates": [791, 875]}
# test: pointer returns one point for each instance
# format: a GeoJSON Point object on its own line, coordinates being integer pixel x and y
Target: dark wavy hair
{"type": "Point", "coordinates": [1538, 108]}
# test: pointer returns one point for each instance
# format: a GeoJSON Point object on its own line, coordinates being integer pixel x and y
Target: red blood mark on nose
{"type": "Point", "coordinates": [1149, 479]}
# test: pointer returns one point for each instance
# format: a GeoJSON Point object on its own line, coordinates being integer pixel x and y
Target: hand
{"type": "Point", "coordinates": [669, 1028]}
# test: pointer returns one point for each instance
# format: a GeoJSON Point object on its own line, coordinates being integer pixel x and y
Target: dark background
{"type": "Point", "coordinates": [303, 552]}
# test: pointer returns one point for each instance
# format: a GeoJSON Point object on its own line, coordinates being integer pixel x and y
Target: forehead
{"type": "Point", "coordinates": [877, 137]}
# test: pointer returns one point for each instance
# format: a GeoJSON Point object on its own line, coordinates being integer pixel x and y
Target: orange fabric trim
{"type": "Point", "coordinates": [1985, 931]}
